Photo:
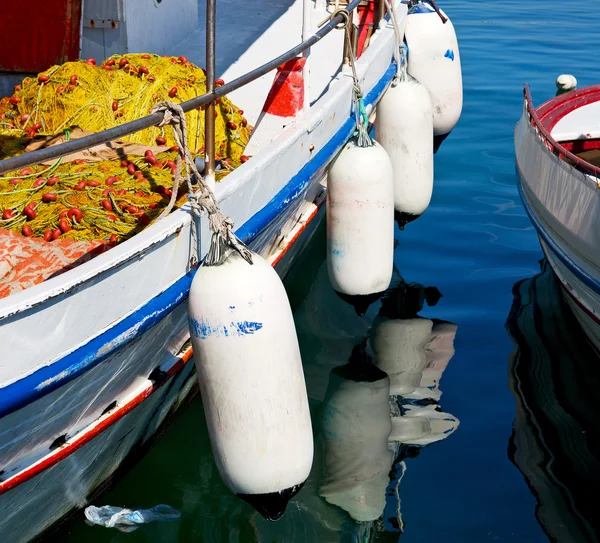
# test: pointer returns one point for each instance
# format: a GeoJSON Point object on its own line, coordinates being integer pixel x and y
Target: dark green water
{"type": "Point", "coordinates": [487, 481]}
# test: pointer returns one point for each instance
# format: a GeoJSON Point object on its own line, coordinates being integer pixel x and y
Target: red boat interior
{"type": "Point", "coordinates": [551, 112]}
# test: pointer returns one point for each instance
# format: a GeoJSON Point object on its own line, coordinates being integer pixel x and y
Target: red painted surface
{"type": "Point", "coordinates": [547, 110]}
{"type": "Point", "coordinates": [85, 437]}
{"type": "Point", "coordinates": [578, 146]}
{"type": "Point", "coordinates": [571, 295]}
{"type": "Point", "coordinates": [554, 110]}
{"type": "Point", "coordinates": [366, 17]}
{"type": "Point", "coordinates": [36, 35]}
{"type": "Point", "coordinates": [286, 96]}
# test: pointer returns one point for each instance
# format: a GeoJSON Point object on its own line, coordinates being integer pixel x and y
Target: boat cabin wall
{"type": "Point", "coordinates": [135, 26]}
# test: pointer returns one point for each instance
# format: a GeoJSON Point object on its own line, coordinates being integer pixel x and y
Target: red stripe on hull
{"type": "Point", "coordinates": [70, 447]}
{"type": "Point", "coordinates": [589, 313]}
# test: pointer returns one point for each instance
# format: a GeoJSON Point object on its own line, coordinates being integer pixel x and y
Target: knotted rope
{"type": "Point", "coordinates": [362, 119]}
{"type": "Point", "coordinates": [203, 199]}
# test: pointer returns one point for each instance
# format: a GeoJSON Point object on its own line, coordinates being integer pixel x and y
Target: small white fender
{"type": "Point", "coordinates": [434, 60]}
{"type": "Point", "coordinates": [360, 222]}
{"type": "Point", "coordinates": [405, 130]}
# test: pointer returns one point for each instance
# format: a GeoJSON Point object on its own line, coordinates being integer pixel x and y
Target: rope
{"type": "Point", "coordinates": [362, 119]}
{"type": "Point", "coordinates": [398, 57]}
{"type": "Point", "coordinates": [223, 239]}
{"type": "Point", "coordinates": [434, 6]}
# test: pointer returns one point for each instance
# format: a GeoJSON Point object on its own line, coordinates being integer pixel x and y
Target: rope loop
{"type": "Point", "coordinates": [344, 13]}
{"type": "Point", "coordinates": [223, 239]}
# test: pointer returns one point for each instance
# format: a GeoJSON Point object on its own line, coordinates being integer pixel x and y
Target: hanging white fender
{"type": "Point", "coordinates": [405, 130]}
{"type": "Point", "coordinates": [434, 60]}
{"type": "Point", "coordinates": [251, 379]}
{"type": "Point", "coordinates": [360, 223]}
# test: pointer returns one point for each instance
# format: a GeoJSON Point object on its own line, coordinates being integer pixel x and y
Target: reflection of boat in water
{"type": "Point", "coordinates": [555, 375]}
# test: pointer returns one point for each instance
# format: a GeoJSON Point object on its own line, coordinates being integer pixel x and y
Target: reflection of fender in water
{"type": "Point", "coordinates": [370, 419]}
{"type": "Point", "coordinates": [356, 427]}
{"type": "Point", "coordinates": [554, 375]}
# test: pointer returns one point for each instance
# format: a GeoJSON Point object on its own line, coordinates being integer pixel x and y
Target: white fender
{"type": "Point", "coordinates": [251, 379]}
{"type": "Point", "coordinates": [356, 427]}
{"type": "Point", "coordinates": [434, 60]}
{"type": "Point", "coordinates": [405, 130]}
{"type": "Point", "coordinates": [360, 221]}
{"type": "Point", "coordinates": [398, 347]}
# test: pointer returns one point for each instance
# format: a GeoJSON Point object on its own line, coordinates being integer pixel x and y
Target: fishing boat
{"type": "Point", "coordinates": [94, 361]}
{"type": "Point", "coordinates": [554, 375]}
{"type": "Point", "coordinates": [557, 155]}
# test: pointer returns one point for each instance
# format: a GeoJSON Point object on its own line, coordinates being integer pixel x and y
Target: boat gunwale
{"type": "Point", "coordinates": [556, 148]}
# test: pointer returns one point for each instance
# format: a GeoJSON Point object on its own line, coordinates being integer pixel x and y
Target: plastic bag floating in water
{"type": "Point", "coordinates": [128, 520]}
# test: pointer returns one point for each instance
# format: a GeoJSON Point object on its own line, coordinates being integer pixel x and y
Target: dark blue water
{"type": "Point", "coordinates": [474, 243]}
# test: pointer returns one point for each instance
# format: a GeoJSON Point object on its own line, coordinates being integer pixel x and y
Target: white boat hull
{"type": "Point", "coordinates": [563, 204]}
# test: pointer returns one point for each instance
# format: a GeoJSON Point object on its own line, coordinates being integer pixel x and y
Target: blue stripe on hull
{"type": "Point", "coordinates": [556, 249]}
{"type": "Point", "coordinates": [49, 378]}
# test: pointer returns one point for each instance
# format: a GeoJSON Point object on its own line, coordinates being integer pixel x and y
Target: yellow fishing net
{"type": "Point", "coordinates": [110, 199]}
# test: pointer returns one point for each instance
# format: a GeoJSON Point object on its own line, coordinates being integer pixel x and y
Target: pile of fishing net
{"type": "Point", "coordinates": [62, 213]}
{"type": "Point", "coordinates": [111, 193]}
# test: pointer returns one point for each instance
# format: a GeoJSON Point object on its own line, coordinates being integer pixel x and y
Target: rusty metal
{"type": "Point", "coordinates": [379, 13]}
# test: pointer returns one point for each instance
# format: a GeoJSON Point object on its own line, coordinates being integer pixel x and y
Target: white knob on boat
{"type": "Point", "coordinates": [356, 427]}
{"type": "Point", "coordinates": [565, 83]}
{"type": "Point", "coordinates": [398, 347]}
{"type": "Point", "coordinates": [360, 224]}
{"type": "Point", "coordinates": [434, 60]}
{"type": "Point", "coordinates": [251, 379]}
{"type": "Point", "coordinates": [405, 130]}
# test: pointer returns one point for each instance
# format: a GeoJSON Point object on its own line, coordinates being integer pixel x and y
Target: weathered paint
{"type": "Point", "coordinates": [203, 329]}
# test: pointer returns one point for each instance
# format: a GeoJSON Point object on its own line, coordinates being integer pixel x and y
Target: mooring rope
{"type": "Point", "coordinates": [201, 199]}
{"type": "Point", "coordinates": [362, 119]}
{"type": "Point", "coordinates": [399, 57]}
